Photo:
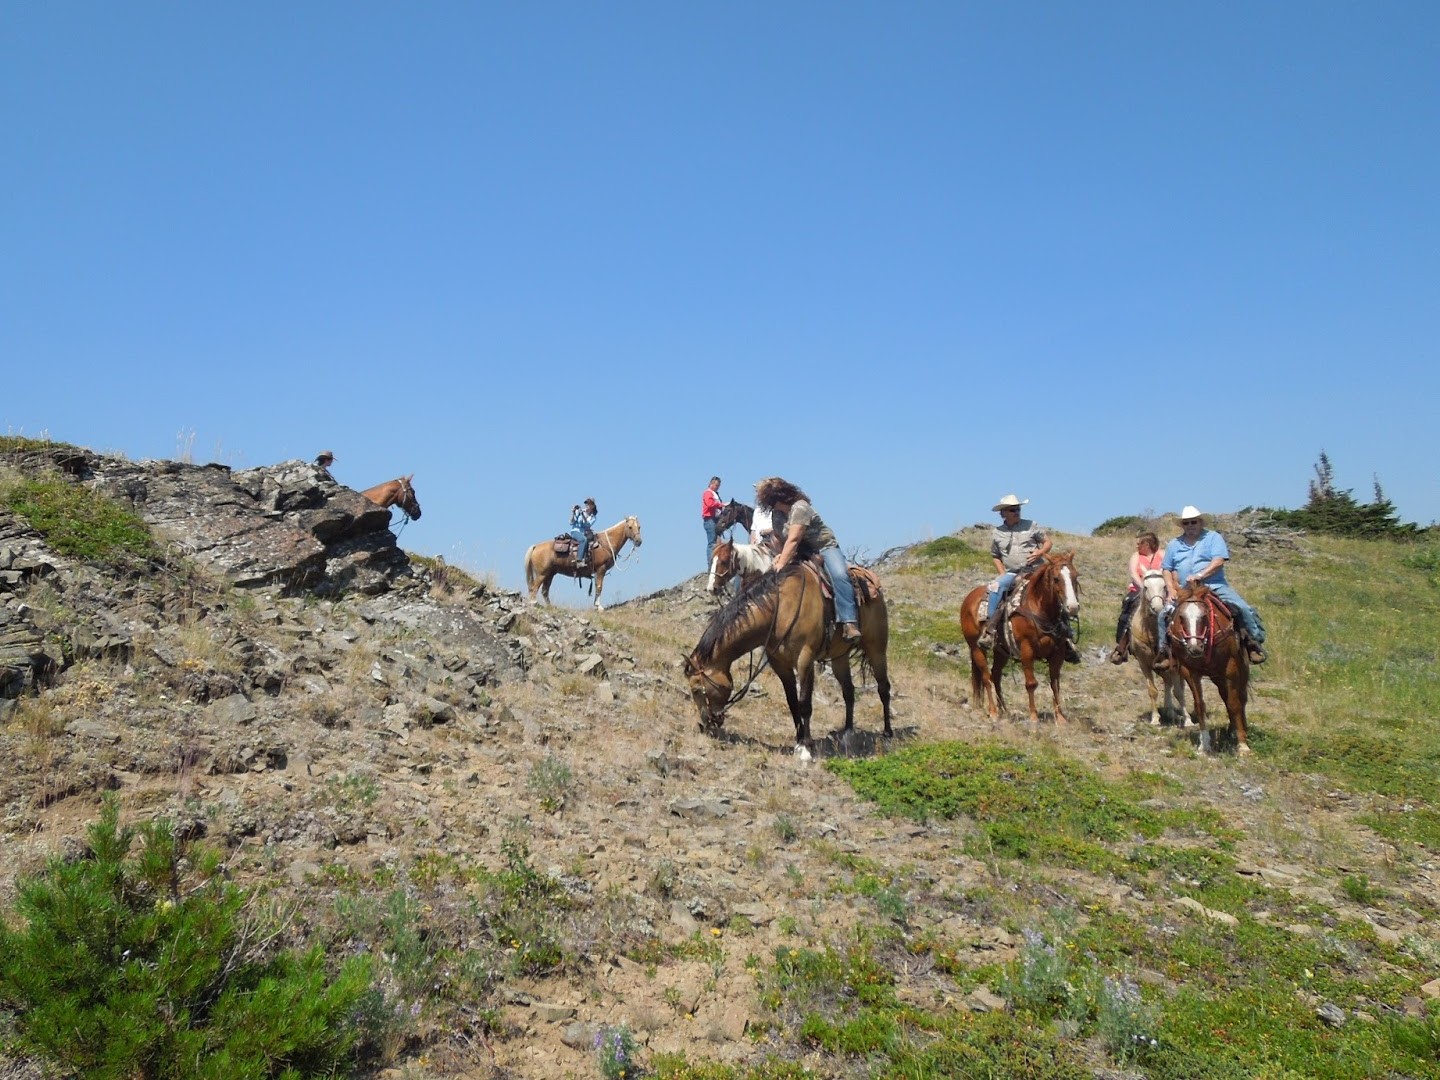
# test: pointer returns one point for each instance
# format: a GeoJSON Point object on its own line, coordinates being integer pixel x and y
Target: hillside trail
{"type": "Point", "coordinates": [722, 849]}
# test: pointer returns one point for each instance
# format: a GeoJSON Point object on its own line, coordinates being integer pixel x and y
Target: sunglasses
{"type": "Point", "coordinates": [1189, 521]}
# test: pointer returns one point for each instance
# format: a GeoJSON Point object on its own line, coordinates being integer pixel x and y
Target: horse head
{"type": "Point", "coordinates": [1067, 580]}
{"type": "Point", "coordinates": [1152, 588]}
{"type": "Point", "coordinates": [405, 498]}
{"type": "Point", "coordinates": [722, 565]}
{"type": "Point", "coordinates": [632, 529]}
{"type": "Point", "coordinates": [1192, 627]}
{"type": "Point", "coordinates": [710, 689]}
{"type": "Point", "coordinates": [731, 513]}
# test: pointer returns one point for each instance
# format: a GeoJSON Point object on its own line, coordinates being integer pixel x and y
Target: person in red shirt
{"type": "Point", "coordinates": [710, 507]}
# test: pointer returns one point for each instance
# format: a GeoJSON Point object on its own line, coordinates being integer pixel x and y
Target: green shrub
{"type": "Point", "coordinates": [78, 522]}
{"type": "Point", "coordinates": [144, 964]}
{"type": "Point", "coordinates": [1123, 525]}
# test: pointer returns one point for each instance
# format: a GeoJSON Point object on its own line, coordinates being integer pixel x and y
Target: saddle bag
{"type": "Point", "coordinates": [564, 544]}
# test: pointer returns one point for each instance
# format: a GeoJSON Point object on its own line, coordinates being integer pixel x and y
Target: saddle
{"type": "Point", "coordinates": [866, 584]}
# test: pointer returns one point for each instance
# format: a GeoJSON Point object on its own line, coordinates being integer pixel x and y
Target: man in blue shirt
{"type": "Point", "coordinates": [1197, 557]}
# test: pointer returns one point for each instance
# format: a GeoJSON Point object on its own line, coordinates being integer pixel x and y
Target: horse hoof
{"type": "Point", "coordinates": [1243, 748]}
{"type": "Point", "coordinates": [801, 754]}
{"type": "Point", "coordinates": [1154, 721]}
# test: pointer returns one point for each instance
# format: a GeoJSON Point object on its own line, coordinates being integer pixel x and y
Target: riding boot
{"type": "Point", "coordinates": [850, 631]}
{"type": "Point", "coordinates": [987, 632]}
{"type": "Point", "coordinates": [1121, 652]}
{"type": "Point", "coordinates": [1162, 659]}
{"type": "Point", "coordinates": [1252, 648]}
{"type": "Point", "coordinates": [1072, 653]}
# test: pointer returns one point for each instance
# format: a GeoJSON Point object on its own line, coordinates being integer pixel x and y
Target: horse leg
{"type": "Point", "coordinates": [599, 585]}
{"type": "Point", "coordinates": [1233, 691]}
{"type": "Point", "coordinates": [1053, 663]}
{"type": "Point", "coordinates": [1027, 664]}
{"type": "Point", "coordinates": [841, 667]}
{"type": "Point", "coordinates": [1197, 694]}
{"type": "Point", "coordinates": [806, 689]}
{"type": "Point", "coordinates": [997, 667]}
{"type": "Point", "coordinates": [792, 699]}
{"type": "Point", "coordinates": [880, 668]}
{"type": "Point", "coordinates": [545, 579]}
{"type": "Point", "coordinates": [1153, 687]}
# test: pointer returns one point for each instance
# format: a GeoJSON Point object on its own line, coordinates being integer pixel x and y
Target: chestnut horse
{"type": "Point", "coordinates": [398, 492]}
{"type": "Point", "coordinates": [789, 616]}
{"type": "Point", "coordinates": [730, 558]}
{"type": "Point", "coordinates": [1032, 630]}
{"type": "Point", "coordinates": [1144, 635]}
{"type": "Point", "coordinates": [1203, 642]}
{"type": "Point", "coordinates": [542, 563]}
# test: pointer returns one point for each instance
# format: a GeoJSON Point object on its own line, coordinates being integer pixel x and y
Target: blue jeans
{"type": "Point", "coordinates": [839, 571]}
{"type": "Point", "coordinates": [709, 524]}
{"type": "Point", "coordinates": [1002, 586]}
{"type": "Point", "coordinates": [581, 544]}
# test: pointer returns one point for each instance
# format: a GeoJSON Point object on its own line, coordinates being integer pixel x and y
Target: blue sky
{"type": "Point", "coordinates": [1114, 257]}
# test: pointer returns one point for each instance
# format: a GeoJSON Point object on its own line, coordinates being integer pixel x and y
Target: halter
{"type": "Point", "coordinates": [1212, 637]}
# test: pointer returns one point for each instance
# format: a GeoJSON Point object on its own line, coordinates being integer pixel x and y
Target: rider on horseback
{"type": "Point", "coordinates": [581, 518]}
{"type": "Point", "coordinates": [1197, 557]}
{"type": "Point", "coordinates": [805, 534]}
{"type": "Point", "coordinates": [1146, 558]}
{"type": "Point", "coordinates": [1018, 547]}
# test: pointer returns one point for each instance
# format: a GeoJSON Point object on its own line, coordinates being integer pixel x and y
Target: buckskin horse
{"type": "Point", "coordinates": [1032, 630]}
{"type": "Point", "coordinates": [730, 558]}
{"type": "Point", "coordinates": [789, 616]}
{"type": "Point", "coordinates": [398, 492]}
{"type": "Point", "coordinates": [1204, 644]}
{"type": "Point", "coordinates": [1144, 634]}
{"type": "Point", "coordinates": [543, 562]}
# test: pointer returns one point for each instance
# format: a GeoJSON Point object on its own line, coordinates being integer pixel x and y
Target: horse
{"type": "Point", "coordinates": [734, 513]}
{"type": "Point", "coordinates": [1204, 643]}
{"type": "Point", "coordinates": [1143, 644]}
{"type": "Point", "coordinates": [788, 615]}
{"type": "Point", "coordinates": [730, 558]}
{"type": "Point", "coordinates": [1032, 629]}
{"type": "Point", "coordinates": [398, 492]}
{"type": "Point", "coordinates": [542, 563]}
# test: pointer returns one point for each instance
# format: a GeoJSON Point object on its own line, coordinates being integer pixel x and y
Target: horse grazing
{"type": "Point", "coordinates": [789, 616]}
{"type": "Point", "coordinates": [730, 558]}
{"type": "Point", "coordinates": [734, 513]}
{"type": "Point", "coordinates": [1031, 629]}
{"type": "Point", "coordinates": [543, 563]}
{"type": "Point", "coordinates": [1204, 643]}
{"type": "Point", "coordinates": [1143, 644]}
{"type": "Point", "coordinates": [398, 492]}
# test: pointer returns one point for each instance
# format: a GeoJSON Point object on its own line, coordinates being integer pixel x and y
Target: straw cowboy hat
{"type": "Point", "coordinates": [1190, 512]}
{"type": "Point", "coordinates": [1009, 501]}
{"type": "Point", "coordinates": [325, 457]}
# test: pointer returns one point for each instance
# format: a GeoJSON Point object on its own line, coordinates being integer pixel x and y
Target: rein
{"type": "Point", "coordinates": [756, 669]}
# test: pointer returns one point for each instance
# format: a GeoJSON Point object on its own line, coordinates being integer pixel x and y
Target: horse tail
{"type": "Point", "coordinates": [530, 567]}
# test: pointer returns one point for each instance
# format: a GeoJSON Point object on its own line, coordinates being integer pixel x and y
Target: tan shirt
{"type": "Point", "coordinates": [1016, 545]}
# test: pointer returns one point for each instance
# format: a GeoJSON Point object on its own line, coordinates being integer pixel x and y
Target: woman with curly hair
{"type": "Point", "coordinates": [806, 533]}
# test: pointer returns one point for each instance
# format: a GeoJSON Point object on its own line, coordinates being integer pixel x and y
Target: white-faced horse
{"type": "Point", "coordinates": [1144, 634]}
{"type": "Point", "coordinates": [730, 558]}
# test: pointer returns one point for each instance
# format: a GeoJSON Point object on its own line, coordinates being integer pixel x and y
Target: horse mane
{"type": "Point", "coordinates": [755, 598]}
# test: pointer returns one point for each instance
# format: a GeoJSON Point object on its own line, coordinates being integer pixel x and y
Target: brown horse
{"type": "Point", "coordinates": [1032, 630]}
{"type": "Point", "coordinates": [542, 562]}
{"type": "Point", "coordinates": [1144, 638]}
{"type": "Point", "coordinates": [398, 492]}
{"type": "Point", "coordinates": [789, 616]}
{"type": "Point", "coordinates": [734, 513]}
{"type": "Point", "coordinates": [1204, 643]}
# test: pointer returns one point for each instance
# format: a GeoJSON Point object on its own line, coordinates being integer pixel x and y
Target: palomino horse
{"type": "Point", "coordinates": [542, 563]}
{"type": "Point", "coordinates": [734, 513]}
{"type": "Point", "coordinates": [1143, 641]}
{"type": "Point", "coordinates": [786, 614]}
{"type": "Point", "coordinates": [730, 558]}
{"type": "Point", "coordinates": [1033, 630]}
{"type": "Point", "coordinates": [398, 492]}
{"type": "Point", "coordinates": [1204, 643]}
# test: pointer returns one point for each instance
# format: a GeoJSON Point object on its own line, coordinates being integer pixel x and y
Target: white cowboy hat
{"type": "Point", "coordinates": [1190, 512]}
{"type": "Point", "coordinates": [1008, 501]}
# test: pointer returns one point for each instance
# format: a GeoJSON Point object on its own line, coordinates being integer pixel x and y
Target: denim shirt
{"type": "Point", "coordinates": [1185, 558]}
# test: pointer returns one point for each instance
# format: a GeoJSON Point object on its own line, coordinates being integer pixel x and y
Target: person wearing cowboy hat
{"type": "Point", "coordinates": [323, 461]}
{"type": "Point", "coordinates": [1017, 545]}
{"type": "Point", "coordinates": [581, 518]}
{"type": "Point", "coordinates": [1197, 557]}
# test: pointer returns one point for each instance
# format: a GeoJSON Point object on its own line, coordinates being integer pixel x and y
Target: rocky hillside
{"type": "Point", "coordinates": [362, 733]}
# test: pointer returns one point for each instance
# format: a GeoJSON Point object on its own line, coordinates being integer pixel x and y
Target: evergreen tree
{"type": "Point", "coordinates": [1331, 510]}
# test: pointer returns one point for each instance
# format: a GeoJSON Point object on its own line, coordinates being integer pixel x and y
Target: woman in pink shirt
{"type": "Point", "coordinates": [710, 507]}
{"type": "Point", "coordinates": [1147, 557]}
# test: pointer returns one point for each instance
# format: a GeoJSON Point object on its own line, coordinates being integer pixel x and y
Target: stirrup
{"type": "Point", "coordinates": [1119, 655]}
{"type": "Point", "coordinates": [1256, 653]}
{"type": "Point", "coordinates": [1162, 662]}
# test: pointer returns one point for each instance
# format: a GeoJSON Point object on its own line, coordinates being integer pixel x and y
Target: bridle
{"type": "Point", "coordinates": [1211, 636]}
{"type": "Point", "coordinates": [757, 668]}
